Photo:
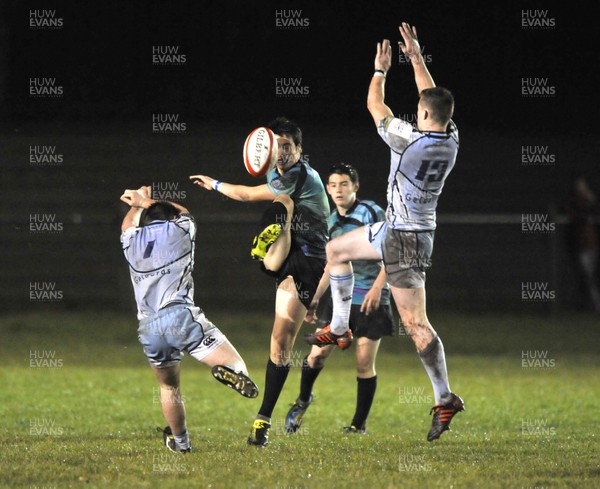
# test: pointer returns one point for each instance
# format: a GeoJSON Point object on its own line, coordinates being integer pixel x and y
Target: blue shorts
{"type": "Point", "coordinates": [177, 329]}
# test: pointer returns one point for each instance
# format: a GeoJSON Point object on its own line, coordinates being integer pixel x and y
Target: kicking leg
{"type": "Point", "coordinates": [226, 354]}
{"type": "Point", "coordinates": [272, 244]}
{"type": "Point", "coordinates": [228, 367]}
{"type": "Point", "coordinates": [279, 250]}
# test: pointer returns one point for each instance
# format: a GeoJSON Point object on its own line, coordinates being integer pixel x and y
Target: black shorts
{"type": "Point", "coordinates": [377, 324]}
{"type": "Point", "coordinates": [305, 270]}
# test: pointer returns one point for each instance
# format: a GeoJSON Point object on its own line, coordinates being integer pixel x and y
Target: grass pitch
{"type": "Point", "coordinates": [79, 408]}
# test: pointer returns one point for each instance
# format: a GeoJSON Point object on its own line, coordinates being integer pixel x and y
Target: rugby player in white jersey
{"type": "Point", "coordinates": [421, 159]}
{"type": "Point", "coordinates": [158, 243]}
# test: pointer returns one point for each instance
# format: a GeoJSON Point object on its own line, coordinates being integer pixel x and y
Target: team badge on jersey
{"type": "Point", "coordinates": [399, 128]}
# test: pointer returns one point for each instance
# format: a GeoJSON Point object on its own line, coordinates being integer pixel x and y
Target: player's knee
{"type": "Point", "coordinates": [287, 201]}
{"type": "Point", "coordinates": [281, 350]}
{"type": "Point", "coordinates": [420, 331]}
{"type": "Point", "coordinates": [335, 251]}
{"type": "Point", "coordinates": [170, 394]}
{"type": "Point", "coordinates": [276, 213]}
{"type": "Point", "coordinates": [414, 324]}
{"type": "Point", "coordinates": [365, 368]}
{"type": "Point", "coordinates": [316, 359]}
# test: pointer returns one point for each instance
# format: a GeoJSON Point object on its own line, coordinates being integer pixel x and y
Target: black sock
{"type": "Point", "coordinates": [276, 213]}
{"type": "Point", "coordinates": [365, 393]}
{"type": "Point", "coordinates": [307, 380]}
{"type": "Point", "coordinates": [274, 381]}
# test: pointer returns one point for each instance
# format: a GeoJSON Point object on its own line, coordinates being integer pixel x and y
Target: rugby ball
{"type": "Point", "coordinates": [260, 151]}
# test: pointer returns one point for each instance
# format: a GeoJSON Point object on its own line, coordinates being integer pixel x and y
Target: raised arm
{"type": "Point", "coordinates": [243, 193]}
{"type": "Point", "coordinates": [376, 97]}
{"type": "Point", "coordinates": [412, 50]}
{"type": "Point", "coordinates": [139, 200]}
{"type": "Point", "coordinates": [383, 62]}
{"type": "Point", "coordinates": [136, 199]}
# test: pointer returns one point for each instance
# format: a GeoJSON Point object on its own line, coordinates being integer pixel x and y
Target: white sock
{"type": "Point", "coordinates": [434, 361]}
{"type": "Point", "coordinates": [341, 293]}
{"type": "Point", "coordinates": [182, 440]}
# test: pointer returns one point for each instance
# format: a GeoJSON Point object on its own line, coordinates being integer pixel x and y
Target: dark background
{"type": "Point", "coordinates": [102, 57]}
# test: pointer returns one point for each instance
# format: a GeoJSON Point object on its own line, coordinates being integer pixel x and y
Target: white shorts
{"type": "Point", "coordinates": [177, 329]}
{"type": "Point", "coordinates": [375, 234]}
{"type": "Point", "coordinates": [407, 255]}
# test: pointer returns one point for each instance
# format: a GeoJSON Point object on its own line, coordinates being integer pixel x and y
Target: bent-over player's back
{"type": "Point", "coordinates": [161, 260]}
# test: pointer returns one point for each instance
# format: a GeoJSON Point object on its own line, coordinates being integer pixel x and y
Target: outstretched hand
{"type": "Point", "coordinates": [203, 181]}
{"type": "Point", "coordinates": [383, 58]}
{"type": "Point", "coordinates": [410, 47]}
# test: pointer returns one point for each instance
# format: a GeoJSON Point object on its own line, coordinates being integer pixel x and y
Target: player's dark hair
{"type": "Point", "coordinates": [159, 211]}
{"type": "Point", "coordinates": [344, 169]}
{"type": "Point", "coordinates": [440, 102]}
{"type": "Point", "coordinates": [282, 125]}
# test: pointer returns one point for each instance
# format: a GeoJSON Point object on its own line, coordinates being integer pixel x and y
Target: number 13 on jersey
{"type": "Point", "coordinates": [432, 170]}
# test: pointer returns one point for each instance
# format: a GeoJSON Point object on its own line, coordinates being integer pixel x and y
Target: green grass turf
{"type": "Point", "coordinates": [87, 418]}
